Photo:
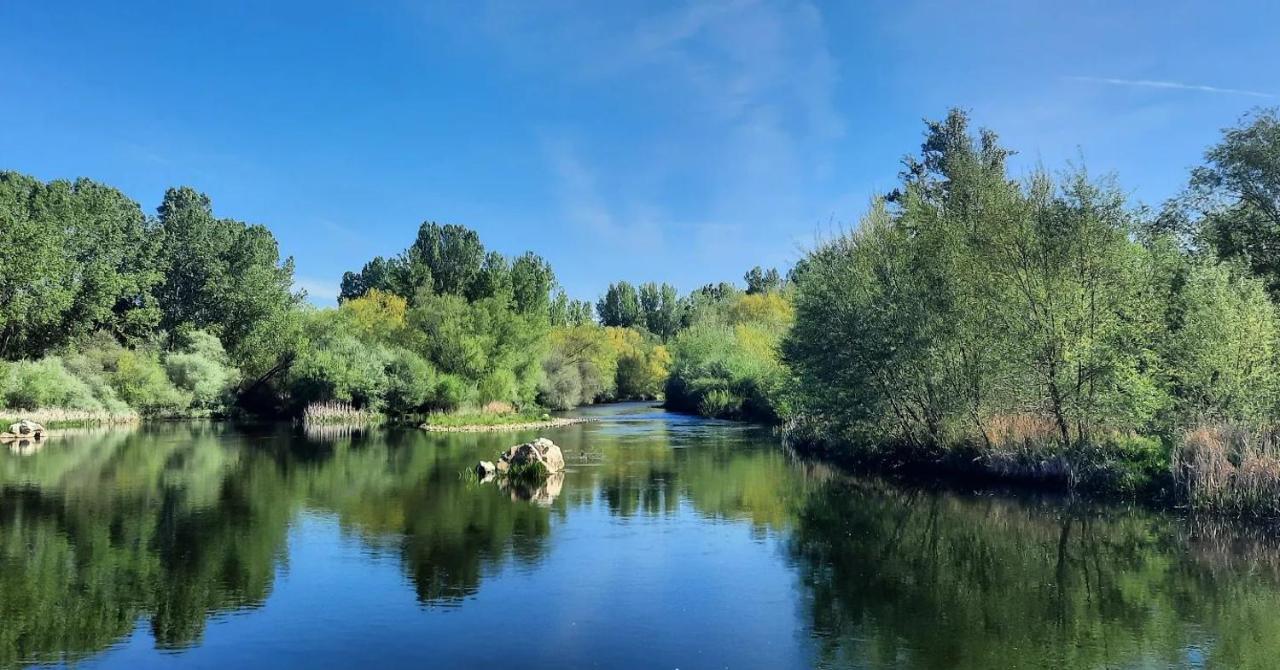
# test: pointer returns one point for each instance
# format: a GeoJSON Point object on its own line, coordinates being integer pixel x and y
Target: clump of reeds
{"type": "Point", "coordinates": [334, 412]}
{"type": "Point", "coordinates": [1025, 446]}
{"type": "Point", "coordinates": [52, 417]}
{"type": "Point", "coordinates": [498, 407]}
{"type": "Point", "coordinates": [1230, 467]}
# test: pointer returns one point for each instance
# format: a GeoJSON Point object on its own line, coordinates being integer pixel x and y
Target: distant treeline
{"type": "Point", "coordinates": [106, 311]}
{"type": "Point", "coordinates": [1039, 326]}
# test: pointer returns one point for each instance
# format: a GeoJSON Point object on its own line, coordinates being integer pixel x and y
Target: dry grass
{"type": "Point", "coordinates": [345, 413]}
{"type": "Point", "coordinates": [1230, 467]}
{"type": "Point", "coordinates": [61, 418]}
{"type": "Point", "coordinates": [498, 407]}
{"type": "Point", "coordinates": [1025, 446]}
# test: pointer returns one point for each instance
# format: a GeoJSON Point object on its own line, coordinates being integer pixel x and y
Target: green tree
{"type": "Point", "coordinates": [219, 275]}
{"type": "Point", "coordinates": [760, 280]}
{"type": "Point", "coordinates": [660, 309]}
{"type": "Point", "coordinates": [531, 281]}
{"type": "Point", "coordinates": [620, 306]}
{"type": "Point", "coordinates": [1236, 196]}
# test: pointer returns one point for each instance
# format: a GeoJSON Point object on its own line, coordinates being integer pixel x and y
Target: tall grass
{"type": "Point", "coordinates": [64, 418]}
{"type": "Point", "coordinates": [1230, 468]}
{"type": "Point", "coordinates": [333, 412]}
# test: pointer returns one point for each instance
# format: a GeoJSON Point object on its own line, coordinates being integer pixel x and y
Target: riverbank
{"type": "Point", "coordinates": [69, 418]}
{"type": "Point", "coordinates": [1223, 469]}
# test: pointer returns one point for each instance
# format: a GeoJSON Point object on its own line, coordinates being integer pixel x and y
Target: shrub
{"type": "Point", "coordinates": [140, 381]}
{"type": "Point", "coordinates": [561, 383]}
{"type": "Point", "coordinates": [339, 367]}
{"type": "Point", "coordinates": [45, 383]}
{"type": "Point", "coordinates": [201, 370]}
{"type": "Point", "coordinates": [411, 383]}
{"type": "Point", "coordinates": [452, 393]}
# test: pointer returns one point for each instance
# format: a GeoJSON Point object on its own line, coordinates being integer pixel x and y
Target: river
{"type": "Point", "coordinates": [670, 542]}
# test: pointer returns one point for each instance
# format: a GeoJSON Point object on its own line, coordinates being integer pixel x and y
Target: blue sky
{"type": "Point", "coordinates": [628, 140]}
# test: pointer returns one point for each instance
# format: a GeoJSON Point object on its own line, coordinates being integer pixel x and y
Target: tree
{"type": "Point", "coordinates": [531, 283]}
{"type": "Point", "coordinates": [389, 275]}
{"type": "Point", "coordinates": [82, 260]}
{"type": "Point", "coordinates": [567, 312]}
{"type": "Point", "coordinates": [660, 308]}
{"type": "Point", "coordinates": [760, 280]}
{"type": "Point", "coordinates": [620, 306]}
{"type": "Point", "coordinates": [1237, 196]}
{"type": "Point", "coordinates": [452, 254]}
{"type": "Point", "coordinates": [219, 274]}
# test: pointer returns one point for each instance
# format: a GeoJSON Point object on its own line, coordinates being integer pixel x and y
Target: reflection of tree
{"type": "Point", "coordinates": [97, 533]}
{"type": "Point", "coordinates": [403, 490]}
{"type": "Point", "coordinates": [912, 579]}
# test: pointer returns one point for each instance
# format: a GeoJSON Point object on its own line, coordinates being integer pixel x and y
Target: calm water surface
{"type": "Point", "coordinates": [671, 542]}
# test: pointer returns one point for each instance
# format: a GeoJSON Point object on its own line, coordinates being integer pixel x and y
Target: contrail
{"type": "Point", "coordinates": [1151, 83]}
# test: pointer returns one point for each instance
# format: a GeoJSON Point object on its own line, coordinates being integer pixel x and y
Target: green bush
{"type": "Point", "coordinates": [201, 370]}
{"type": "Point", "coordinates": [140, 381]}
{"type": "Point", "coordinates": [452, 392]}
{"type": "Point", "coordinates": [340, 367]}
{"type": "Point", "coordinates": [45, 383]}
{"type": "Point", "coordinates": [411, 383]}
{"type": "Point", "coordinates": [561, 384]}
{"type": "Point", "coordinates": [726, 371]}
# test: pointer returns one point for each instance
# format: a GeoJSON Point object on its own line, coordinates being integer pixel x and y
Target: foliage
{"type": "Point", "coordinates": [201, 369]}
{"type": "Point", "coordinates": [620, 306]}
{"type": "Point", "coordinates": [760, 280]}
{"type": "Point", "coordinates": [1232, 205]}
{"type": "Point", "coordinates": [376, 315]}
{"type": "Point", "coordinates": [79, 259]}
{"type": "Point", "coordinates": [727, 364]}
{"type": "Point", "coordinates": [660, 310]}
{"type": "Point", "coordinates": [218, 274]}
{"type": "Point", "coordinates": [44, 383]}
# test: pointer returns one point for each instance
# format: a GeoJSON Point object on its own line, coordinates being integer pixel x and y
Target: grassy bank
{"type": "Point", "coordinates": [67, 418]}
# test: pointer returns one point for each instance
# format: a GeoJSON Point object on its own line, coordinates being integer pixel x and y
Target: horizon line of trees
{"type": "Point", "coordinates": [970, 307]}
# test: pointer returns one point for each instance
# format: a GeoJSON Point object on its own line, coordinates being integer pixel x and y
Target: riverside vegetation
{"type": "Point", "coordinates": [1037, 327]}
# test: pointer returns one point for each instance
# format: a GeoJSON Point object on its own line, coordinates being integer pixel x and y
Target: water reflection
{"type": "Point", "coordinates": [169, 526]}
{"type": "Point", "coordinates": [908, 578]}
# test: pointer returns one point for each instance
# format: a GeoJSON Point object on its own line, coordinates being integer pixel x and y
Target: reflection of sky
{"type": "Point", "coordinates": [651, 592]}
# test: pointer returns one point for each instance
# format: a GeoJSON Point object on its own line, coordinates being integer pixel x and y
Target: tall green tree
{"type": "Point", "coordinates": [660, 309]}
{"type": "Point", "coordinates": [620, 306]}
{"type": "Point", "coordinates": [531, 282]}
{"type": "Point", "coordinates": [760, 280]}
{"type": "Point", "coordinates": [80, 258]}
{"type": "Point", "coordinates": [1234, 199]}
{"type": "Point", "coordinates": [219, 274]}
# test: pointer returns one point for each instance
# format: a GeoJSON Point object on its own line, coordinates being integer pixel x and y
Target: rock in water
{"type": "Point", "coordinates": [486, 469]}
{"type": "Point", "coordinates": [552, 457]}
{"type": "Point", "coordinates": [540, 450]}
{"type": "Point", "coordinates": [27, 428]}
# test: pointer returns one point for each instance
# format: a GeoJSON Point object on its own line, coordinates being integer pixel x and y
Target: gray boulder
{"type": "Point", "coordinates": [27, 428]}
{"type": "Point", "coordinates": [540, 450]}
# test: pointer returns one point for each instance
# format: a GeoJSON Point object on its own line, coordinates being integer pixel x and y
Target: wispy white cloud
{"type": "Point", "coordinates": [320, 292]}
{"type": "Point", "coordinates": [747, 125]}
{"type": "Point", "coordinates": [1151, 83]}
{"type": "Point", "coordinates": [584, 206]}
